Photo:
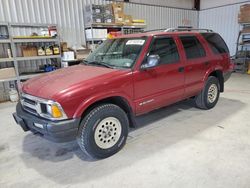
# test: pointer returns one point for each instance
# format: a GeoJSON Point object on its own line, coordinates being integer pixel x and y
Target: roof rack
{"type": "Point", "coordinates": [180, 28]}
{"type": "Point", "coordinates": [187, 28]}
{"type": "Point", "coordinates": [154, 30]}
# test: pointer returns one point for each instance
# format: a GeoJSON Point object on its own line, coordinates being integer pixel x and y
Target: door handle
{"type": "Point", "coordinates": [181, 69]}
{"type": "Point", "coordinates": [207, 63]}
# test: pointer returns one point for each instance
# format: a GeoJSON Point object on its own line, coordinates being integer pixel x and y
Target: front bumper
{"type": "Point", "coordinates": [57, 131]}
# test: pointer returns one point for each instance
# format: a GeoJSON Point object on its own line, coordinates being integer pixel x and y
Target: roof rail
{"type": "Point", "coordinates": [179, 28]}
{"type": "Point", "coordinates": [154, 30]}
{"type": "Point", "coordinates": [187, 28]}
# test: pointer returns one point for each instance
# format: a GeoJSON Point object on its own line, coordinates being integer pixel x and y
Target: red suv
{"type": "Point", "coordinates": [96, 102]}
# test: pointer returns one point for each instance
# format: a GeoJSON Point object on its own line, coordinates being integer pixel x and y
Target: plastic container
{"type": "Point", "coordinates": [13, 95]}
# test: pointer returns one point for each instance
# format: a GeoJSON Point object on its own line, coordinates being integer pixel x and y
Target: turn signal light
{"type": "Point", "coordinates": [55, 111]}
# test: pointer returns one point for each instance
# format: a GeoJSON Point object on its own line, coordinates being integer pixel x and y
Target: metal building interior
{"type": "Point", "coordinates": [50, 46]}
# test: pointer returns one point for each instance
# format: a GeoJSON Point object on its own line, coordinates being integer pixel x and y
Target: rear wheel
{"type": "Point", "coordinates": [103, 131]}
{"type": "Point", "coordinates": [209, 96]}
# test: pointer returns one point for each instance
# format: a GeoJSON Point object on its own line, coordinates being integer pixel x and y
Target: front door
{"type": "Point", "coordinates": [161, 85]}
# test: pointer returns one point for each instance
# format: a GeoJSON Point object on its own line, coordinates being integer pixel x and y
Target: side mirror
{"type": "Point", "coordinates": [152, 61]}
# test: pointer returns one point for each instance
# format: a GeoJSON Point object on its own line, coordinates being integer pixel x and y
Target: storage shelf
{"type": "Point", "coordinates": [31, 25]}
{"type": "Point", "coordinates": [96, 39]}
{"type": "Point", "coordinates": [8, 79]}
{"type": "Point", "coordinates": [27, 76]}
{"type": "Point", "coordinates": [6, 59]}
{"type": "Point", "coordinates": [34, 40]}
{"type": "Point", "coordinates": [107, 25]}
{"type": "Point", "coordinates": [37, 57]}
{"type": "Point", "coordinates": [5, 41]}
{"type": "Point", "coordinates": [134, 26]}
{"type": "Point", "coordinates": [247, 44]}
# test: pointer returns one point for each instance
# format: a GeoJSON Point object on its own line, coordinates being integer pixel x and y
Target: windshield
{"type": "Point", "coordinates": [117, 53]}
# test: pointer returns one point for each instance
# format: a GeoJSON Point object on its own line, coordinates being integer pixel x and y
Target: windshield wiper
{"type": "Point", "coordinates": [97, 63]}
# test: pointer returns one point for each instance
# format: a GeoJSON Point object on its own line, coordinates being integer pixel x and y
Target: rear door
{"type": "Point", "coordinates": [161, 85]}
{"type": "Point", "coordinates": [196, 61]}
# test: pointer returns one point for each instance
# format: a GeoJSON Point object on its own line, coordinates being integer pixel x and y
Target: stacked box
{"type": "Point", "coordinates": [108, 9]}
{"type": "Point", "coordinates": [93, 14]}
{"type": "Point", "coordinates": [6, 73]}
{"type": "Point", "coordinates": [118, 9]}
{"type": "Point", "coordinates": [244, 15]}
{"type": "Point", "coordinates": [93, 9]}
{"type": "Point", "coordinates": [108, 16]}
{"type": "Point", "coordinates": [128, 20]}
{"type": "Point", "coordinates": [28, 51]}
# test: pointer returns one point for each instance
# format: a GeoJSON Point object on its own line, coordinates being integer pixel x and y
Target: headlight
{"type": "Point", "coordinates": [52, 110]}
{"type": "Point", "coordinates": [55, 111]}
{"type": "Point", "coordinates": [45, 108]}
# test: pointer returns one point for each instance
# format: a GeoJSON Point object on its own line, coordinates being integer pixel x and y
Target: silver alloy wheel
{"type": "Point", "coordinates": [212, 93]}
{"type": "Point", "coordinates": [108, 132]}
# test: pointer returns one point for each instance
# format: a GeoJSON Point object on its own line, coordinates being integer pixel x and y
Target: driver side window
{"type": "Point", "coordinates": [166, 49]}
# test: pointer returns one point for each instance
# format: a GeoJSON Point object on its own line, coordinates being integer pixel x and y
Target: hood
{"type": "Point", "coordinates": [50, 84]}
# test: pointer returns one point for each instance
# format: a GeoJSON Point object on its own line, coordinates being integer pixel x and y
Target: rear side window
{"type": "Point", "coordinates": [166, 49]}
{"type": "Point", "coordinates": [216, 43]}
{"type": "Point", "coordinates": [193, 47]}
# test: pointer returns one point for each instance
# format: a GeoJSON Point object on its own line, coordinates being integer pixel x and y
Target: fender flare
{"type": "Point", "coordinates": [209, 71]}
{"type": "Point", "coordinates": [93, 99]}
{"type": "Point", "coordinates": [213, 69]}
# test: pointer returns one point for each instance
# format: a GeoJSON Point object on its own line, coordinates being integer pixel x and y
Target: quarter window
{"type": "Point", "coordinates": [166, 49]}
{"type": "Point", "coordinates": [216, 43]}
{"type": "Point", "coordinates": [192, 47]}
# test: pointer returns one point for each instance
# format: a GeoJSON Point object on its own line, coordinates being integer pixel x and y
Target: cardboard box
{"type": "Point", "coordinates": [70, 55]}
{"type": "Point", "coordinates": [28, 51]}
{"type": "Point", "coordinates": [108, 9]}
{"type": "Point", "coordinates": [64, 46]}
{"type": "Point", "coordinates": [108, 18]}
{"type": "Point", "coordinates": [128, 20]}
{"type": "Point", "coordinates": [118, 7]}
{"type": "Point", "coordinates": [93, 14]}
{"type": "Point", "coordinates": [243, 18]}
{"type": "Point", "coordinates": [82, 53]}
{"type": "Point", "coordinates": [93, 9]}
{"type": "Point", "coordinates": [97, 33]}
{"type": "Point", "coordinates": [6, 73]}
{"type": "Point", "coordinates": [246, 30]}
{"type": "Point", "coordinates": [245, 7]}
{"type": "Point", "coordinates": [119, 18]}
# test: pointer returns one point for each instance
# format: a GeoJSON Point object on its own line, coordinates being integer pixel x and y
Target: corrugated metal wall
{"type": "Point", "coordinates": [215, 3]}
{"type": "Point", "coordinates": [68, 14]}
{"type": "Point", "coordinates": [223, 20]}
{"type": "Point", "coordinates": [170, 3]}
{"type": "Point", "coordinates": [162, 17]}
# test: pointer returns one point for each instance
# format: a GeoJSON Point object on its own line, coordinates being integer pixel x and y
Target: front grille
{"type": "Point", "coordinates": [29, 104]}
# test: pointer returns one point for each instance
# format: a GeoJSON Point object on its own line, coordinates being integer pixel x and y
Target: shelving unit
{"type": "Point", "coordinates": [242, 56]}
{"type": "Point", "coordinates": [13, 40]}
{"type": "Point", "coordinates": [124, 29]}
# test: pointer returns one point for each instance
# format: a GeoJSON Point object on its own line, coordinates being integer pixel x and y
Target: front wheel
{"type": "Point", "coordinates": [103, 131]}
{"type": "Point", "coordinates": [209, 96]}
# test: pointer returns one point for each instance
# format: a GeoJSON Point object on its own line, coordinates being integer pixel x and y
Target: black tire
{"type": "Point", "coordinates": [86, 133]}
{"type": "Point", "coordinates": [202, 100]}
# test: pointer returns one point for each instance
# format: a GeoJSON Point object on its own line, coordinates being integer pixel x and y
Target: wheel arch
{"type": "Point", "coordinates": [120, 101]}
{"type": "Point", "coordinates": [219, 75]}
